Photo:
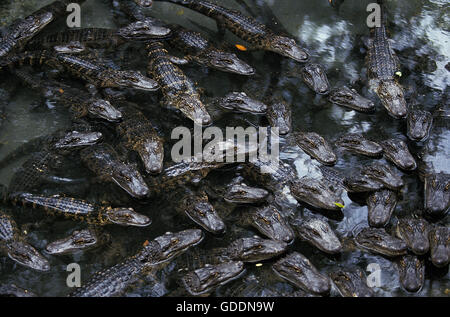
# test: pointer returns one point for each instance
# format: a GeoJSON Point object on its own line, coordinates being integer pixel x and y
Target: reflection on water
{"type": "Point", "coordinates": [335, 38]}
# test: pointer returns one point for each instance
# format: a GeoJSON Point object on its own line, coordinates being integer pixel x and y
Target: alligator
{"type": "Point", "coordinates": [114, 280]}
{"type": "Point", "coordinates": [205, 279]}
{"type": "Point", "coordinates": [13, 245]}
{"type": "Point", "coordinates": [248, 250]}
{"type": "Point", "coordinates": [104, 161]}
{"type": "Point", "coordinates": [315, 78]}
{"type": "Point", "coordinates": [79, 102]}
{"type": "Point", "coordinates": [247, 28]}
{"type": "Point", "coordinates": [79, 240]}
{"type": "Point", "coordinates": [238, 102]}
{"type": "Point", "coordinates": [98, 37]}
{"type": "Point", "coordinates": [357, 143]}
{"type": "Point", "coordinates": [418, 125]}
{"type": "Point", "coordinates": [349, 98]}
{"type": "Point", "coordinates": [316, 193]}
{"type": "Point", "coordinates": [437, 194]}
{"type": "Point", "coordinates": [412, 273]}
{"type": "Point", "coordinates": [269, 222]}
{"type": "Point", "coordinates": [11, 290]}
{"type": "Point", "coordinates": [372, 177]}
{"type": "Point", "coordinates": [396, 151]}
{"type": "Point", "coordinates": [316, 146]}
{"type": "Point", "coordinates": [86, 69]}
{"type": "Point", "coordinates": [377, 240]}
{"type": "Point", "coordinates": [82, 210]}
{"type": "Point", "coordinates": [240, 193]}
{"type": "Point", "coordinates": [177, 90]}
{"type": "Point", "coordinates": [383, 68]}
{"type": "Point", "coordinates": [318, 233]}
{"type": "Point", "coordinates": [279, 114]}
{"type": "Point", "coordinates": [351, 283]}
{"type": "Point", "coordinates": [198, 208]}
{"type": "Point", "coordinates": [297, 269]}
{"type": "Point", "coordinates": [414, 232]}
{"type": "Point", "coordinates": [199, 49]}
{"type": "Point", "coordinates": [439, 237]}
{"type": "Point", "coordinates": [380, 206]}
{"type": "Point", "coordinates": [139, 135]}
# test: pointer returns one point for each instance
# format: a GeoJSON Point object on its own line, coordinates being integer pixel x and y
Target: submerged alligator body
{"type": "Point", "coordinates": [247, 28]}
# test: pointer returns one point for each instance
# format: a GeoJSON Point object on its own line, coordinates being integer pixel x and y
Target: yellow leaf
{"type": "Point", "coordinates": [399, 74]}
{"type": "Point", "coordinates": [339, 205]}
{"type": "Point", "coordinates": [241, 47]}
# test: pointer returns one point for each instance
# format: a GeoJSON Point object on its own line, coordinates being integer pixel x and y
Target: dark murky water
{"type": "Point", "coordinates": [420, 33]}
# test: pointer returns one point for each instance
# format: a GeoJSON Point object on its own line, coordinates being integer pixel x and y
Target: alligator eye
{"type": "Point", "coordinates": [447, 186]}
{"type": "Point", "coordinates": [433, 183]}
{"type": "Point", "coordinates": [226, 61]}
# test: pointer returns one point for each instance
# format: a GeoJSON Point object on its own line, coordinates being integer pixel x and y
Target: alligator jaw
{"type": "Point", "coordinates": [127, 217]}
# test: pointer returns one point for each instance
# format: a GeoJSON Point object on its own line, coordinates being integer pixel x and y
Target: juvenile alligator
{"type": "Point", "coordinates": [79, 102]}
{"type": "Point", "coordinates": [114, 280]}
{"type": "Point", "coordinates": [418, 124]}
{"type": "Point", "coordinates": [269, 222]}
{"type": "Point", "coordinates": [241, 193]}
{"type": "Point", "coordinates": [178, 91]}
{"type": "Point", "coordinates": [380, 206]}
{"type": "Point", "coordinates": [351, 283]}
{"type": "Point", "coordinates": [79, 240]}
{"type": "Point", "coordinates": [86, 69]}
{"type": "Point", "coordinates": [349, 98]}
{"type": "Point", "coordinates": [412, 272]}
{"type": "Point", "coordinates": [316, 146]}
{"type": "Point", "coordinates": [199, 49]}
{"type": "Point", "coordinates": [315, 78]}
{"type": "Point", "coordinates": [104, 161]}
{"type": "Point", "coordinates": [14, 246]}
{"type": "Point", "coordinates": [414, 231]}
{"type": "Point", "coordinates": [357, 143]}
{"type": "Point", "coordinates": [383, 68]}
{"type": "Point", "coordinates": [246, 28]}
{"type": "Point", "coordinates": [82, 210]}
{"type": "Point", "coordinates": [372, 177]}
{"type": "Point", "coordinates": [205, 279]}
{"type": "Point", "coordinates": [139, 135]}
{"type": "Point", "coordinates": [377, 240]}
{"type": "Point", "coordinates": [437, 194]}
{"type": "Point", "coordinates": [439, 237]}
{"type": "Point", "coordinates": [98, 37]}
{"type": "Point", "coordinates": [279, 114]}
{"type": "Point", "coordinates": [318, 233]}
{"type": "Point", "coordinates": [396, 151]}
{"type": "Point", "coordinates": [238, 102]}
{"type": "Point", "coordinates": [297, 269]}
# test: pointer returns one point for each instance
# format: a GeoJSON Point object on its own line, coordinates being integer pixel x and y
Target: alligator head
{"type": "Point", "coordinates": [350, 98]}
{"type": "Point", "coordinates": [392, 98]}
{"type": "Point", "coordinates": [359, 144]}
{"type": "Point", "coordinates": [298, 270]}
{"type": "Point", "coordinates": [378, 241]}
{"type": "Point", "coordinates": [78, 240]}
{"type": "Point", "coordinates": [102, 109]}
{"type": "Point", "coordinates": [268, 221]}
{"type": "Point", "coordinates": [143, 30]}
{"type": "Point", "coordinates": [126, 217]}
{"type": "Point", "coordinates": [240, 102]}
{"type": "Point", "coordinates": [193, 108]}
{"type": "Point", "coordinates": [169, 245]}
{"type": "Point", "coordinates": [316, 194]}
{"type": "Point", "coordinates": [396, 151]}
{"type": "Point", "coordinates": [205, 279]}
{"type": "Point", "coordinates": [287, 47]}
{"type": "Point", "coordinates": [381, 205]}
{"type": "Point", "coordinates": [415, 234]}
{"type": "Point", "coordinates": [439, 237]}
{"type": "Point", "coordinates": [412, 272]}
{"type": "Point", "coordinates": [128, 79]}
{"type": "Point", "coordinates": [227, 62]}
{"type": "Point", "coordinates": [255, 249]}
{"type": "Point", "coordinates": [351, 283]}
{"type": "Point", "coordinates": [437, 194]}
{"type": "Point", "coordinates": [244, 194]}
{"type": "Point", "coordinates": [151, 152]}
{"type": "Point", "coordinates": [75, 139]}
{"type": "Point", "coordinates": [419, 124]}
{"type": "Point", "coordinates": [319, 234]}
{"type": "Point", "coordinates": [382, 173]}
{"type": "Point", "coordinates": [26, 255]}
{"type": "Point", "coordinates": [129, 179]}
{"type": "Point", "coordinates": [315, 77]}
{"type": "Point", "coordinates": [316, 146]}
{"type": "Point", "coordinates": [32, 25]}
{"type": "Point", "coordinates": [199, 209]}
